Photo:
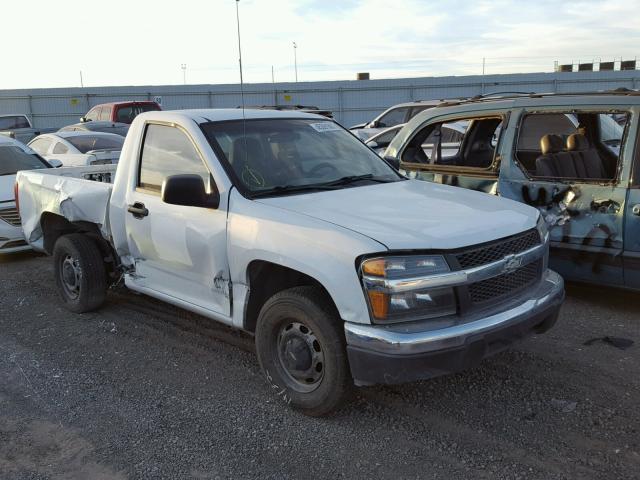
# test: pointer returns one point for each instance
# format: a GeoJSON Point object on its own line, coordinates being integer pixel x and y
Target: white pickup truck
{"type": "Point", "coordinates": [284, 225]}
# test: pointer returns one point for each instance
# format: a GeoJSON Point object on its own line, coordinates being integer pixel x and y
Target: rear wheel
{"type": "Point", "coordinates": [80, 273]}
{"type": "Point", "coordinates": [301, 349]}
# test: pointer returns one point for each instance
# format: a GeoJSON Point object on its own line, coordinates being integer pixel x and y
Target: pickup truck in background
{"type": "Point", "coordinates": [286, 226]}
{"type": "Point", "coordinates": [19, 128]}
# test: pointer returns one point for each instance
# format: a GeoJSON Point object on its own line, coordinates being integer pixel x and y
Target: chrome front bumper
{"type": "Point", "coordinates": [463, 343]}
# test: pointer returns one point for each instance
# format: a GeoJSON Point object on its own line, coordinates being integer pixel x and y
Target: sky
{"type": "Point", "coordinates": [142, 42]}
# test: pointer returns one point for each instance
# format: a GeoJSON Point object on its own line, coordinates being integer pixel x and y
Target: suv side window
{"type": "Point", "coordinates": [93, 114]}
{"type": "Point", "coordinates": [105, 114]}
{"type": "Point", "coordinates": [468, 143]}
{"type": "Point", "coordinates": [125, 114]}
{"type": "Point", "coordinates": [60, 148]}
{"type": "Point", "coordinates": [168, 151]}
{"type": "Point", "coordinates": [394, 117]}
{"type": "Point", "coordinates": [581, 146]}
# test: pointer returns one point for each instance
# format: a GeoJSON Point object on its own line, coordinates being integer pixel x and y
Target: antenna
{"type": "Point", "coordinates": [240, 57]}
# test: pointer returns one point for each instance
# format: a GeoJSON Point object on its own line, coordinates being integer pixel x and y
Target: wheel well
{"type": "Point", "coordinates": [54, 226]}
{"type": "Point", "coordinates": [265, 280]}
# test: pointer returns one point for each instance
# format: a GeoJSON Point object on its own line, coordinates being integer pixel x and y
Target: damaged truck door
{"type": "Point", "coordinates": [179, 248]}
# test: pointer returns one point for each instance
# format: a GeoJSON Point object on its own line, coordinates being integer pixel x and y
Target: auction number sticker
{"type": "Point", "coordinates": [323, 127]}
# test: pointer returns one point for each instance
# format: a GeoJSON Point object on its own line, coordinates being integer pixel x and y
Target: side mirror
{"type": "Point", "coordinates": [373, 144]}
{"type": "Point", "coordinates": [189, 191]}
{"type": "Point", "coordinates": [83, 120]}
{"type": "Point", "coordinates": [55, 163]}
{"type": "Point", "coordinates": [374, 124]}
{"type": "Point", "coordinates": [393, 161]}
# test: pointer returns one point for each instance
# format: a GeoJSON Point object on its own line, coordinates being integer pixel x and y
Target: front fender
{"type": "Point", "coordinates": [321, 250]}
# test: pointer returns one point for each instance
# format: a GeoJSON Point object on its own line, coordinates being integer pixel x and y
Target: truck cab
{"type": "Point", "coordinates": [574, 157]}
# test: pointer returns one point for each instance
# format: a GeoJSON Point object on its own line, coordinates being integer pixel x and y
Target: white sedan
{"type": "Point", "coordinates": [14, 156]}
{"type": "Point", "coordinates": [79, 148]}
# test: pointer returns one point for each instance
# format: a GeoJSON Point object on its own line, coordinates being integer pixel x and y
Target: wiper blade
{"type": "Point", "coordinates": [356, 178]}
{"type": "Point", "coordinates": [291, 189]}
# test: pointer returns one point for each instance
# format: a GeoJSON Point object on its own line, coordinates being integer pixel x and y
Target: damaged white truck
{"type": "Point", "coordinates": [284, 225]}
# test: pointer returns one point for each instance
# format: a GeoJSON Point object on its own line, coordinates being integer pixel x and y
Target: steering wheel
{"type": "Point", "coordinates": [252, 177]}
{"type": "Point", "coordinates": [329, 167]}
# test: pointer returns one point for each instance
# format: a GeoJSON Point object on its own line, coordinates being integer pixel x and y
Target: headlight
{"type": "Point", "coordinates": [542, 229]}
{"type": "Point", "coordinates": [392, 297]}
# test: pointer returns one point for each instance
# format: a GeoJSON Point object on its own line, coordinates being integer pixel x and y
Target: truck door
{"type": "Point", "coordinates": [567, 163]}
{"type": "Point", "coordinates": [632, 217]}
{"type": "Point", "coordinates": [179, 251]}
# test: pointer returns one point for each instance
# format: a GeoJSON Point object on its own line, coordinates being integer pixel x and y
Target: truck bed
{"type": "Point", "coordinates": [76, 193]}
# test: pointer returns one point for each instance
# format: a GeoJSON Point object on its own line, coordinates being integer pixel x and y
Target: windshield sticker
{"type": "Point", "coordinates": [323, 127]}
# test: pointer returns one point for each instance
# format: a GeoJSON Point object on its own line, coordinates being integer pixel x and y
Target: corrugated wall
{"type": "Point", "coordinates": [351, 101]}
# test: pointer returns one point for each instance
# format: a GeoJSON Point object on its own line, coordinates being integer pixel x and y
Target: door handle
{"type": "Point", "coordinates": [138, 210]}
{"type": "Point", "coordinates": [636, 209]}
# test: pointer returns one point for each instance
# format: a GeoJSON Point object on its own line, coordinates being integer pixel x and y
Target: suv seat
{"type": "Point", "coordinates": [554, 162]}
{"type": "Point", "coordinates": [586, 158]}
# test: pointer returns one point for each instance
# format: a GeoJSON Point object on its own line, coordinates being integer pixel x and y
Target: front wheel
{"type": "Point", "coordinates": [301, 349]}
{"type": "Point", "coordinates": [80, 273]}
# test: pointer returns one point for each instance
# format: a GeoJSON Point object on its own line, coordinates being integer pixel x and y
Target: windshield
{"type": "Point", "coordinates": [87, 143]}
{"type": "Point", "coordinates": [267, 155]}
{"type": "Point", "coordinates": [13, 159]}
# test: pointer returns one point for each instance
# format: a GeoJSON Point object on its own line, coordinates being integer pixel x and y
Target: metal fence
{"type": "Point", "coordinates": [351, 101]}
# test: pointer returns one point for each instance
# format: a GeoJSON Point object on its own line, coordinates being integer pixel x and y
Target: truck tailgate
{"type": "Point", "coordinates": [77, 194]}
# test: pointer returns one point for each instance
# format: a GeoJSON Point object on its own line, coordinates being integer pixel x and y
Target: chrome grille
{"type": "Point", "coordinates": [11, 216]}
{"type": "Point", "coordinates": [497, 288]}
{"type": "Point", "coordinates": [498, 250]}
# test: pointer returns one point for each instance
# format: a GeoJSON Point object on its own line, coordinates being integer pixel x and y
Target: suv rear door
{"type": "Point", "coordinates": [584, 212]}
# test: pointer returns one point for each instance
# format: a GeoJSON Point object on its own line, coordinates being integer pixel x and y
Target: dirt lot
{"type": "Point", "coordinates": [142, 390]}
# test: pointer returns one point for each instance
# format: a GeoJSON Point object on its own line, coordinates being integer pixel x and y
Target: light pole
{"type": "Point", "coordinates": [183, 66]}
{"type": "Point", "coordinates": [295, 59]}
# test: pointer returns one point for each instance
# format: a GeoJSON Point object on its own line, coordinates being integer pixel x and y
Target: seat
{"type": "Point", "coordinates": [586, 158]}
{"type": "Point", "coordinates": [554, 162]}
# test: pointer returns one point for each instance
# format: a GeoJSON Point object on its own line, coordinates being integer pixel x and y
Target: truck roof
{"type": "Point", "coordinates": [223, 114]}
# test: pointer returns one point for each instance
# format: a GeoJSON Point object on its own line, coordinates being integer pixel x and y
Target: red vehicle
{"type": "Point", "coordinates": [123, 112]}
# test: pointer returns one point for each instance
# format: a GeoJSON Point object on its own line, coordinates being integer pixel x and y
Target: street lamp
{"type": "Point", "coordinates": [295, 59]}
{"type": "Point", "coordinates": [183, 66]}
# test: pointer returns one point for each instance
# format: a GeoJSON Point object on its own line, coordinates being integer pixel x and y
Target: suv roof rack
{"type": "Point", "coordinates": [497, 96]}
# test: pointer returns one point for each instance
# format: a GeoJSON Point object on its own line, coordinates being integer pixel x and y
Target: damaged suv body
{"type": "Point", "coordinates": [575, 157]}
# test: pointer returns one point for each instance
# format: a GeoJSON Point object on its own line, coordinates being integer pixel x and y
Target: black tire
{"type": "Point", "coordinates": [301, 316]}
{"type": "Point", "coordinates": [80, 273]}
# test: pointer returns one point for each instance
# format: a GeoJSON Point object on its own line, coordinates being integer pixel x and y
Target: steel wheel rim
{"type": "Point", "coordinates": [300, 356]}
{"type": "Point", "coordinates": [71, 276]}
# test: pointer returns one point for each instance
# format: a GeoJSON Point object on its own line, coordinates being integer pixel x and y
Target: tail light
{"type": "Point", "coordinates": [15, 194]}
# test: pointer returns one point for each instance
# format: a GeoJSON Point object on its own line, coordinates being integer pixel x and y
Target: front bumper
{"type": "Point", "coordinates": [403, 353]}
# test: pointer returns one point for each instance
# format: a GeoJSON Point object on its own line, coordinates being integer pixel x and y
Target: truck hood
{"type": "Point", "coordinates": [6, 187]}
{"type": "Point", "coordinates": [415, 214]}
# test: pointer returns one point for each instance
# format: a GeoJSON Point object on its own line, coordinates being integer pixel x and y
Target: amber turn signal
{"type": "Point", "coordinates": [379, 304]}
{"type": "Point", "coordinates": [374, 267]}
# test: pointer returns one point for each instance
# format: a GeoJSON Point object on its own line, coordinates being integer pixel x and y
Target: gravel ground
{"type": "Point", "coordinates": [143, 390]}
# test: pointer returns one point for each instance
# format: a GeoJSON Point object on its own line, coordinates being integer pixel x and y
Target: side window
{"type": "Point", "coordinates": [415, 111]}
{"type": "Point", "coordinates": [394, 117]}
{"type": "Point", "coordinates": [581, 146]}
{"type": "Point", "coordinates": [168, 151]}
{"type": "Point", "coordinates": [125, 115]}
{"type": "Point", "coordinates": [105, 114]}
{"type": "Point", "coordinates": [464, 143]}
{"type": "Point", "coordinates": [60, 148]}
{"type": "Point", "coordinates": [41, 145]}
{"type": "Point", "coordinates": [93, 114]}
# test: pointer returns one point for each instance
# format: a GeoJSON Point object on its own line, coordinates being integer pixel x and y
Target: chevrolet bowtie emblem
{"type": "Point", "coordinates": [512, 263]}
